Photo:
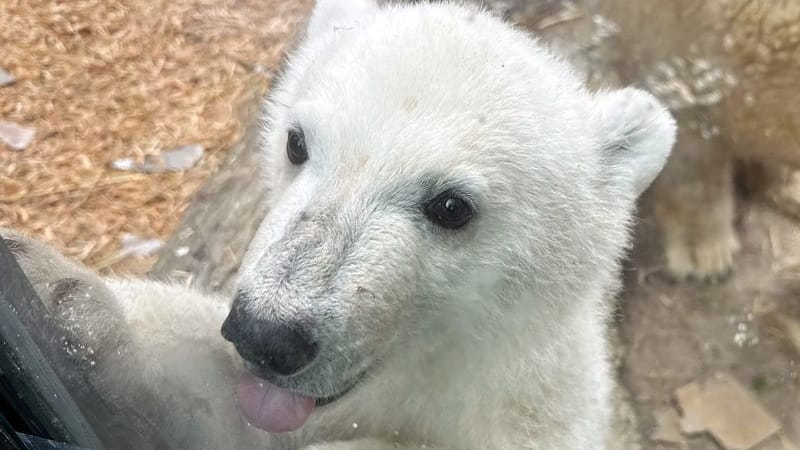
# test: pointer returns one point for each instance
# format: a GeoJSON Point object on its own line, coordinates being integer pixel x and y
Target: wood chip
{"type": "Point", "coordinates": [175, 160]}
{"type": "Point", "coordinates": [791, 331]}
{"type": "Point", "coordinates": [16, 136]}
{"type": "Point", "coordinates": [6, 79]}
{"type": "Point", "coordinates": [724, 409]}
{"type": "Point", "coordinates": [786, 443]}
{"type": "Point", "coordinates": [139, 246]}
{"type": "Point", "coordinates": [667, 429]}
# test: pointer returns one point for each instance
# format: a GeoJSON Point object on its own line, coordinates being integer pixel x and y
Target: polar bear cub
{"type": "Point", "coordinates": [449, 206]}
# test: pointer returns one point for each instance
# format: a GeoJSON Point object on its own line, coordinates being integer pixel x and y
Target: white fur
{"type": "Point", "coordinates": [493, 336]}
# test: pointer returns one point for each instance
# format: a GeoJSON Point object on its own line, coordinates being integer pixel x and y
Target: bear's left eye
{"type": "Point", "coordinates": [449, 210]}
{"type": "Point", "coordinates": [296, 149]}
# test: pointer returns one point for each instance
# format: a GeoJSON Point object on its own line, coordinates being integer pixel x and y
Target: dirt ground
{"type": "Point", "coordinates": [674, 334]}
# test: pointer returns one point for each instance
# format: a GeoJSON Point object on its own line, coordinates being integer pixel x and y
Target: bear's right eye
{"type": "Point", "coordinates": [296, 149]}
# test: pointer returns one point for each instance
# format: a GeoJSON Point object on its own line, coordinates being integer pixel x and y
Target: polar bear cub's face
{"type": "Point", "coordinates": [428, 164]}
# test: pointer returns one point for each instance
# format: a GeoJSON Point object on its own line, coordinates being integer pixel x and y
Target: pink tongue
{"type": "Point", "coordinates": [271, 408]}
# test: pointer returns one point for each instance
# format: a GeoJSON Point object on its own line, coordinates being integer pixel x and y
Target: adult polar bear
{"type": "Point", "coordinates": [449, 210]}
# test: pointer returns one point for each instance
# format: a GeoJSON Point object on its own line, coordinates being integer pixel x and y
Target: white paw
{"type": "Point", "coordinates": [709, 260]}
{"type": "Point", "coordinates": [77, 299]}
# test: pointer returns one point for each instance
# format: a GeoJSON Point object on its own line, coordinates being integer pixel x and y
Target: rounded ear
{"type": "Point", "coordinates": [637, 134]}
{"type": "Point", "coordinates": [331, 15]}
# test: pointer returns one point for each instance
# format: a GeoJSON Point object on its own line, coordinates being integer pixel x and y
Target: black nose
{"type": "Point", "coordinates": [276, 347]}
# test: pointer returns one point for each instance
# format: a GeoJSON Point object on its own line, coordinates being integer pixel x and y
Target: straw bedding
{"type": "Point", "coordinates": [102, 80]}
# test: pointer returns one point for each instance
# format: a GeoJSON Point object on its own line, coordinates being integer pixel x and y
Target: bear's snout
{"type": "Point", "coordinates": [275, 347]}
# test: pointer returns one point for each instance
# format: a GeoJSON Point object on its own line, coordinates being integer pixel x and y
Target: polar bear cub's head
{"type": "Point", "coordinates": [430, 167]}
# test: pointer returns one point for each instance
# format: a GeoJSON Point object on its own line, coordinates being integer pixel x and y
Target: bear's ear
{"type": "Point", "coordinates": [330, 15]}
{"type": "Point", "coordinates": [637, 134]}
